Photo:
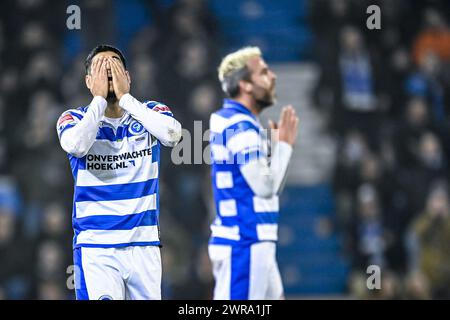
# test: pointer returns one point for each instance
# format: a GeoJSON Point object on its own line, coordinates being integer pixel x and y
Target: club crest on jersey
{"type": "Point", "coordinates": [136, 128]}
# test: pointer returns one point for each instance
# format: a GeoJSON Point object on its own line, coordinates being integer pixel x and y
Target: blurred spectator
{"type": "Point", "coordinates": [416, 121]}
{"type": "Point", "coordinates": [426, 82]}
{"type": "Point", "coordinates": [51, 290]}
{"type": "Point", "coordinates": [15, 249]}
{"type": "Point", "coordinates": [417, 287]}
{"type": "Point", "coordinates": [390, 109]}
{"type": "Point", "coordinates": [370, 241]}
{"type": "Point", "coordinates": [434, 37]}
{"type": "Point", "coordinates": [143, 71]}
{"type": "Point", "coordinates": [350, 87]}
{"type": "Point", "coordinates": [433, 231]}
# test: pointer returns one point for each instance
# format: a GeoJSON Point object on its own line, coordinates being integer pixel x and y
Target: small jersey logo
{"type": "Point", "coordinates": [105, 297]}
{"type": "Point", "coordinates": [136, 128]}
{"type": "Point", "coordinates": [66, 119]}
{"type": "Point", "coordinates": [161, 108]}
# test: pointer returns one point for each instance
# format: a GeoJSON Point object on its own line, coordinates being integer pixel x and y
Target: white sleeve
{"type": "Point", "coordinates": [264, 180]}
{"type": "Point", "coordinates": [164, 128]}
{"type": "Point", "coordinates": [78, 139]}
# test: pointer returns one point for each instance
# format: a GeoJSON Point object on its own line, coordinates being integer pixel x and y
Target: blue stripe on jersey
{"type": "Point", "coordinates": [231, 108]}
{"type": "Point", "coordinates": [222, 137]}
{"type": "Point", "coordinates": [82, 163]}
{"type": "Point", "coordinates": [122, 132]}
{"type": "Point", "coordinates": [242, 242]}
{"type": "Point", "coordinates": [76, 115]}
{"type": "Point", "coordinates": [65, 128]}
{"type": "Point", "coordinates": [222, 241]}
{"type": "Point", "coordinates": [240, 273]}
{"type": "Point", "coordinates": [239, 127]}
{"type": "Point", "coordinates": [256, 218]}
{"type": "Point", "coordinates": [245, 157]}
{"type": "Point", "coordinates": [81, 292]}
{"type": "Point", "coordinates": [76, 164]}
{"type": "Point", "coordinates": [107, 133]}
{"type": "Point", "coordinates": [226, 113]}
{"type": "Point", "coordinates": [230, 104]}
{"type": "Point", "coordinates": [116, 191]}
{"type": "Point", "coordinates": [151, 104]}
{"type": "Point", "coordinates": [268, 217]}
{"type": "Point", "coordinates": [119, 245]}
{"type": "Point", "coordinates": [127, 222]}
{"type": "Point", "coordinates": [155, 151]}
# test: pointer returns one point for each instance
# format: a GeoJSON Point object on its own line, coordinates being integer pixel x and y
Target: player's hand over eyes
{"type": "Point", "coordinates": [121, 81]}
{"type": "Point", "coordinates": [99, 78]}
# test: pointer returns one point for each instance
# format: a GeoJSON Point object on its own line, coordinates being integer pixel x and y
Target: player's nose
{"type": "Point", "coordinates": [273, 75]}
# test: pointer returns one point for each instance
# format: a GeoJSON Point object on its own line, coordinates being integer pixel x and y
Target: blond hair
{"type": "Point", "coordinates": [233, 62]}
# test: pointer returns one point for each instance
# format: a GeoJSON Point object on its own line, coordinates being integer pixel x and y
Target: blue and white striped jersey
{"type": "Point", "coordinates": [116, 196]}
{"type": "Point", "coordinates": [241, 217]}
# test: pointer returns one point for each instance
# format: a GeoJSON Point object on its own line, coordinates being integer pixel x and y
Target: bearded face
{"type": "Point", "coordinates": [263, 83]}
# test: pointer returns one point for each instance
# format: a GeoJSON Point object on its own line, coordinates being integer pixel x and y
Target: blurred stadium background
{"type": "Point", "coordinates": [368, 182]}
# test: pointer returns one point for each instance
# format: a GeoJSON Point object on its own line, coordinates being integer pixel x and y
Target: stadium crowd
{"type": "Point", "coordinates": [386, 95]}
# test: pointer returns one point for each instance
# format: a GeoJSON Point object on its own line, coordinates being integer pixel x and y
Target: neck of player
{"type": "Point", "coordinates": [113, 110]}
{"type": "Point", "coordinates": [250, 103]}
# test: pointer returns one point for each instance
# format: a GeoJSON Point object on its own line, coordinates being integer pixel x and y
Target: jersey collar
{"type": "Point", "coordinates": [232, 104]}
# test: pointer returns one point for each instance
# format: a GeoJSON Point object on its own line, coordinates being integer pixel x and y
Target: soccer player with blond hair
{"type": "Point", "coordinates": [247, 177]}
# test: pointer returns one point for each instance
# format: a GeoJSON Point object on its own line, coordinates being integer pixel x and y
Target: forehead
{"type": "Point", "coordinates": [106, 54]}
{"type": "Point", "coordinates": [256, 63]}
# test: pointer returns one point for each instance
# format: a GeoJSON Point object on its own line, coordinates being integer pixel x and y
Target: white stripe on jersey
{"type": "Point", "coordinates": [244, 140]}
{"type": "Point", "coordinates": [128, 144]}
{"type": "Point", "coordinates": [224, 179]}
{"type": "Point", "coordinates": [227, 208]}
{"type": "Point", "coordinates": [218, 124]}
{"type": "Point", "coordinates": [266, 205]}
{"type": "Point", "coordinates": [116, 207]}
{"type": "Point", "coordinates": [138, 173]}
{"type": "Point", "coordinates": [219, 152]}
{"type": "Point", "coordinates": [231, 233]}
{"type": "Point", "coordinates": [267, 231]}
{"type": "Point", "coordinates": [137, 234]}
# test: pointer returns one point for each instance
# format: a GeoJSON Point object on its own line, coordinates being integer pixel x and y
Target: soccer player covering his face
{"type": "Point", "coordinates": [113, 146]}
{"type": "Point", "coordinates": [247, 180]}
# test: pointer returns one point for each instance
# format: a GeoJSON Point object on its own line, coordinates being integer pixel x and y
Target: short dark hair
{"type": "Point", "coordinates": [103, 48]}
{"type": "Point", "coordinates": [230, 83]}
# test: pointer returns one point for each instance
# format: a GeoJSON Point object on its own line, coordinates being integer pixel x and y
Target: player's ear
{"type": "Point", "coordinates": [128, 76]}
{"type": "Point", "coordinates": [87, 79]}
{"type": "Point", "coordinates": [245, 86]}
